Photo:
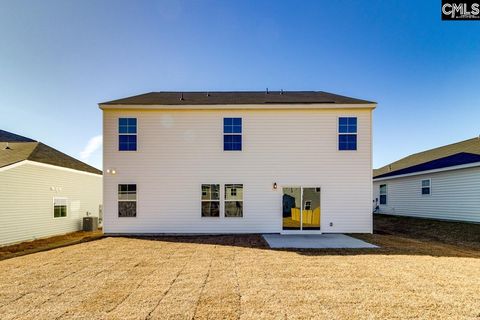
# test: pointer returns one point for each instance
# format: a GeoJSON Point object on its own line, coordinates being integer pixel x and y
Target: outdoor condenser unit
{"type": "Point", "coordinates": [90, 223]}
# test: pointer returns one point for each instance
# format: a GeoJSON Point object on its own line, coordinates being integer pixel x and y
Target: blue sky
{"type": "Point", "coordinates": [58, 59]}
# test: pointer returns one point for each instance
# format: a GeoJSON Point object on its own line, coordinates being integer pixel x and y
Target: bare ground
{"type": "Point", "coordinates": [49, 243]}
{"type": "Point", "coordinates": [237, 277]}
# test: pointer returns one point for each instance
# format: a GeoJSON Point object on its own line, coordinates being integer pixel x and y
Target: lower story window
{"type": "Point", "coordinates": [210, 200]}
{"type": "Point", "coordinates": [383, 194]}
{"type": "Point", "coordinates": [426, 186]}
{"type": "Point", "coordinates": [234, 200]}
{"type": "Point", "coordinates": [59, 207]}
{"type": "Point", "coordinates": [127, 200]}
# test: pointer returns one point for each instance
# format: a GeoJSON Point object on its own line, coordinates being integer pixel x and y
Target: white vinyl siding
{"type": "Point", "coordinates": [454, 195]}
{"type": "Point", "coordinates": [183, 149]}
{"type": "Point", "coordinates": [27, 195]}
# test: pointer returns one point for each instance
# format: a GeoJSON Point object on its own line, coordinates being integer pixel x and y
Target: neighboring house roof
{"type": "Point", "coordinates": [463, 152]}
{"type": "Point", "coordinates": [6, 136]}
{"type": "Point", "coordinates": [15, 148]}
{"type": "Point", "coordinates": [236, 97]}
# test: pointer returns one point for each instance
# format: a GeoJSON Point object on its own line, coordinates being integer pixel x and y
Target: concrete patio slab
{"type": "Point", "coordinates": [315, 241]}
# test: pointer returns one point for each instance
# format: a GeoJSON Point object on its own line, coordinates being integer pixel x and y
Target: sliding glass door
{"type": "Point", "coordinates": [301, 208]}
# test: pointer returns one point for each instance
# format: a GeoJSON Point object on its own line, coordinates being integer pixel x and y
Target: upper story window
{"type": "Point", "coordinates": [426, 186]}
{"type": "Point", "coordinates": [383, 194]}
{"type": "Point", "coordinates": [232, 134]}
{"type": "Point", "coordinates": [127, 134]}
{"type": "Point", "coordinates": [347, 133]}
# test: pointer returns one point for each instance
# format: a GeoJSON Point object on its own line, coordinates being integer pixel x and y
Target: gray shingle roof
{"type": "Point", "coordinates": [22, 148]}
{"type": "Point", "coordinates": [235, 97]}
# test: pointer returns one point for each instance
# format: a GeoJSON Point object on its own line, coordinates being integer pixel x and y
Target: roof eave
{"type": "Point", "coordinates": [266, 106]}
{"type": "Point", "coordinates": [451, 168]}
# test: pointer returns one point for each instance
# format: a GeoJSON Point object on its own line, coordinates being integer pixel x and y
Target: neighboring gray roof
{"type": "Point", "coordinates": [6, 136]}
{"type": "Point", "coordinates": [235, 97]}
{"type": "Point", "coordinates": [470, 147]}
{"type": "Point", "coordinates": [22, 148]}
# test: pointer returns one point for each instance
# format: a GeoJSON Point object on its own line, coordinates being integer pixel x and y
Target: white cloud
{"type": "Point", "coordinates": [93, 145]}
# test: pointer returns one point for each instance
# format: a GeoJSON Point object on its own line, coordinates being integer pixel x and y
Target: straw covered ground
{"type": "Point", "coordinates": [237, 277]}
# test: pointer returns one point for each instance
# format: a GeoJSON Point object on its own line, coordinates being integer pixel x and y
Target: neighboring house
{"type": "Point", "coordinates": [43, 192]}
{"type": "Point", "coordinates": [237, 162]}
{"type": "Point", "coordinates": [442, 183]}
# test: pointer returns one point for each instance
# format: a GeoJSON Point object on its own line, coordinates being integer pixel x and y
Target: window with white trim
{"type": "Point", "coordinates": [127, 134]}
{"type": "Point", "coordinates": [210, 200]}
{"type": "Point", "coordinates": [59, 207]}
{"type": "Point", "coordinates": [383, 194]}
{"type": "Point", "coordinates": [232, 134]}
{"type": "Point", "coordinates": [233, 200]}
{"type": "Point", "coordinates": [426, 186]}
{"type": "Point", "coordinates": [347, 133]}
{"type": "Point", "coordinates": [127, 200]}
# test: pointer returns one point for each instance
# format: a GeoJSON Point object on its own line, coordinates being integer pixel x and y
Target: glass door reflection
{"type": "Point", "coordinates": [291, 200]}
{"type": "Point", "coordinates": [311, 209]}
{"type": "Point", "coordinates": [301, 208]}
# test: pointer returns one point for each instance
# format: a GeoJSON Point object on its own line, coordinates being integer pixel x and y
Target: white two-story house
{"type": "Point", "coordinates": [237, 162]}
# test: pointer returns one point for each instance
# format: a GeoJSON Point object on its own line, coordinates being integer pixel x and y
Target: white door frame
{"type": "Point", "coordinates": [300, 231]}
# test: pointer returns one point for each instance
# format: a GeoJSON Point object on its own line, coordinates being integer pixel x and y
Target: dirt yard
{"type": "Point", "coordinates": [237, 277]}
{"type": "Point", "coordinates": [28, 247]}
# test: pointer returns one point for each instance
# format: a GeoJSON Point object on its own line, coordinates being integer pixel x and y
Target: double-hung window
{"type": "Point", "coordinates": [127, 200]}
{"type": "Point", "coordinates": [347, 133]}
{"type": "Point", "coordinates": [59, 207]}
{"type": "Point", "coordinates": [127, 134]}
{"type": "Point", "coordinates": [383, 194]}
{"type": "Point", "coordinates": [234, 200]}
{"type": "Point", "coordinates": [210, 200]}
{"type": "Point", "coordinates": [426, 186]}
{"type": "Point", "coordinates": [232, 134]}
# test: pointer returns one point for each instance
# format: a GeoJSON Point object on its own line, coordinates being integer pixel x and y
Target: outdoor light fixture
{"type": "Point", "coordinates": [274, 186]}
{"type": "Point", "coordinates": [111, 171]}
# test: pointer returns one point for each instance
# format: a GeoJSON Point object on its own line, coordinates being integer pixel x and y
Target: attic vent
{"type": "Point", "coordinates": [7, 147]}
{"type": "Point", "coordinates": [389, 168]}
{"type": "Point", "coordinates": [181, 97]}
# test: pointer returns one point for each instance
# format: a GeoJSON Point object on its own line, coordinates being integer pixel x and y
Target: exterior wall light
{"type": "Point", "coordinates": [274, 186]}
